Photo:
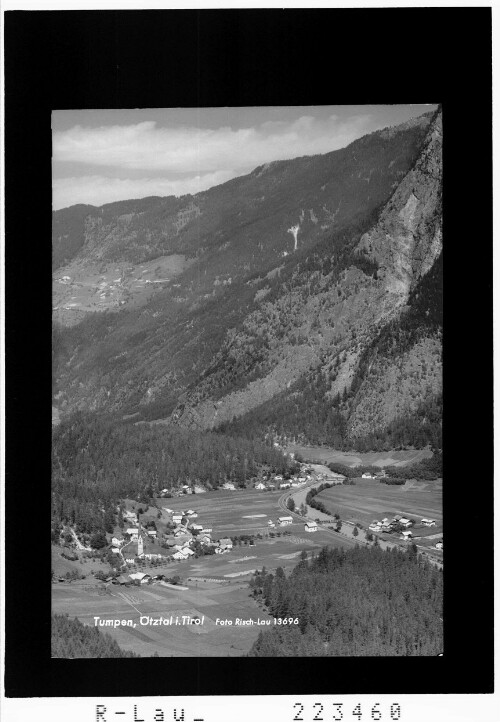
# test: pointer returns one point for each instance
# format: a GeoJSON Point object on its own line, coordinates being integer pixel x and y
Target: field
{"type": "Point", "coordinates": [325, 455]}
{"type": "Point", "coordinates": [183, 640]}
{"type": "Point", "coordinates": [245, 511]}
{"type": "Point", "coordinates": [369, 499]}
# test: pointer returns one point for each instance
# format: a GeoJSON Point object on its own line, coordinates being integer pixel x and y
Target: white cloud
{"type": "Point", "coordinates": [144, 146]}
{"type": "Point", "coordinates": [97, 190]}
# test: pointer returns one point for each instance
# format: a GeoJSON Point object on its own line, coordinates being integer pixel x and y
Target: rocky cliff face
{"type": "Point", "coordinates": [408, 236]}
{"type": "Point", "coordinates": [306, 330]}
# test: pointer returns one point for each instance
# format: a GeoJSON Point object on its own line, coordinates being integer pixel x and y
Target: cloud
{"type": "Point", "coordinates": [99, 189]}
{"type": "Point", "coordinates": [187, 149]}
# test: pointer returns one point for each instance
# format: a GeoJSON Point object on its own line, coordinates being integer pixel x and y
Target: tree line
{"type": "Point", "coordinates": [359, 602]}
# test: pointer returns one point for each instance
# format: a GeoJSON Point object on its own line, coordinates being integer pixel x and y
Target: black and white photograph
{"type": "Point", "coordinates": [247, 401]}
{"type": "Point", "coordinates": [248, 363]}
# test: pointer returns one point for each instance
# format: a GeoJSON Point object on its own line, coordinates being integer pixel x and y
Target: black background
{"type": "Point", "coordinates": [129, 59]}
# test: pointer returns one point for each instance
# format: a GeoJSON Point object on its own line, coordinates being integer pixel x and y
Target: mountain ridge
{"type": "Point", "coordinates": [250, 315]}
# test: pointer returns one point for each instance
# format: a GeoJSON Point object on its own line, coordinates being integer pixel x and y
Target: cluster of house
{"type": "Point", "coordinates": [398, 522]}
{"type": "Point", "coordinates": [184, 489]}
{"type": "Point", "coordinates": [180, 540]}
{"type": "Point", "coordinates": [278, 482]}
{"type": "Point", "coordinates": [282, 521]}
{"type": "Point", "coordinates": [379, 475]}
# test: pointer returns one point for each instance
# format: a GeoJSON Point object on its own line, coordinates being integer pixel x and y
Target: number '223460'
{"type": "Point", "coordinates": [321, 714]}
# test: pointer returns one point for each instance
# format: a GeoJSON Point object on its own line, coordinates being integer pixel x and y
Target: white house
{"type": "Point", "coordinates": [177, 518]}
{"type": "Point", "coordinates": [196, 527]}
{"type": "Point", "coordinates": [278, 478]}
{"type": "Point", "coordinates": [152, 532]}
{"type": "Point", "coordinates": [187, 552]}
{"type": "Point", "coordinates": [142, 577]}
{"type": "Point", "coordinates": [226, 543]}
{"type": "Point", "coordinates": [229, 486]}
{"type": "Point", "coordinates": [190, 512]}
{"type": "Point", "coordinates": [134, 532]}
{"type": "Point", "coordinates": [429, 522]}
{"type": "Point", "coordinates": [206, 530]}
{"type": "Point", "coordinates": [439, 545]}
{"type": "Point", "coordinates": [130, 560]}
{"type": "Point", "coordinates": [285, 485]}
{"type": "Point", "coordinates": [116, 541]}
{"type": "Point", "coordinates": [405, 522]}
{"type": "Point", "coordinates": [406, 535]}
{"type": "Point", "coordinates": [179, 556]}
{"type": "Point", "coordinates": [260, 485]}
{"type": "Point", "coordinates": [366, 476]}
{"type": "Point", "coordinates": [115, 550]}
{"type": "Point", "coordinates": [311, 526]}
{"type": "Point", "coordinates": [271, 523]}
{"type": "Point", "coordinates": [284, 520]}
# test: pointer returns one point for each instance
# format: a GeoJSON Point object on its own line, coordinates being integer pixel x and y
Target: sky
{"type": "Point", "coordinates": [100, 156]}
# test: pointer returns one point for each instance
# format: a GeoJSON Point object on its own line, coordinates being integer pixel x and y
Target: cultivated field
{"type": "Point", "coordinates": [325, 455]}
{"type": "Point", "coordinates": [183, 640]}
{"type": "Point", "coordinates": [368, 500]}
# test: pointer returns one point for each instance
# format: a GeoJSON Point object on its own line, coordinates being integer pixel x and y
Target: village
{"type": "Point", "coordinates": [152, 542]}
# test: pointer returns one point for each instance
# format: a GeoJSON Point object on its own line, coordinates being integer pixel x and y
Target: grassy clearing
{"type": "Point", "coordinates": [325, 455]}
{"type": "Point", "coordinates": [368, 500]}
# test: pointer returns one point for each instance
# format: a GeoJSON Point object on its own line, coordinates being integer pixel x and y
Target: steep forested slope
{"type": "Point", "coordinates": [96, 461]}
{"type": "Point", "coordinates": [254, 326]}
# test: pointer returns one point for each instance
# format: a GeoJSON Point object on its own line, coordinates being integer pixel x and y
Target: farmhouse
{"type": "Point", "coordinates": [271, 523]}
{"type": "Point", "coordinates": [115, 550]}
{"type": "Point", "coordinates": [311, 526]}
{"type": "Point", "coordinates": [285, 485]}
{"type": "Point", "coordinates": [133, 532]}
{"type": "Point", "coordinates": [285, 520]}
{"type": "Point", "coordinates": [141, 577]}
{"type": "Point", "coordinates": [260, 485]}
{"type": "Point", "coordinates": [177, 518]}
{"type": "Point", "coordinates": [406, 535]}
{"type": "Point", "coordinates": [187, 552]}
{"type": "Point", "coordinates": [366, 476]}
{"type": "Point", "coordinates": [278, 478]}
{"type": "Point", "coordinates": [179, 556]}
{"type": "Point", "coordinates": [130, 560]}
{"type": "Point", "coordinates": [429, 522]}
{"type": "Point", "coordinates": [439, 545]}
{"type": "Point", "coordinates": [405, 522]}
{"type": "Point", "coordinates": [152, 533]}
{"type": "Point", "coordinates": [207, 530]}
{"type": "Point", "coordinates": [225, 543]}
{"type": "Point", "coordinates": [196, 527]}
{"type": "Point", "coordinates": [117, 541]}
{"type": "Point", "coordinates": [229, 486]}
